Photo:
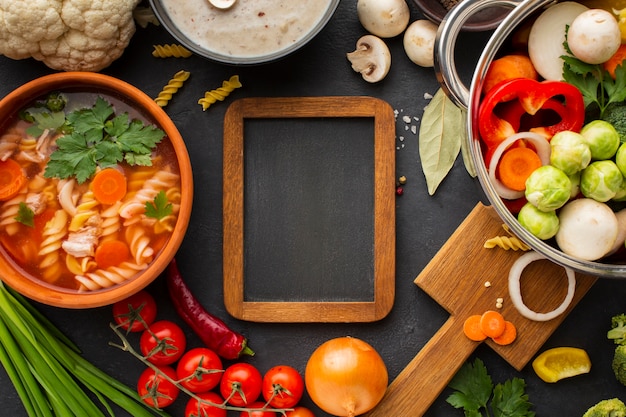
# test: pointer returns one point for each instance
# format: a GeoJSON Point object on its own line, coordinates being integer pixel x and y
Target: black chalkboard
{"type": "Point", "coordinates": [309, 209]}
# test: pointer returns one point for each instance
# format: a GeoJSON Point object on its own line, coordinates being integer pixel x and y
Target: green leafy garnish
{"type": "Point", "coordinates": [595, 83]}
{"type": "Point", "coordinates": [159, 207]}
{"type": "Point", "coordinates": [25, 215]}
{"type": "Point", "coordinates": [474, 389]}
{"type": "Point", "coordinates": [99, 138]}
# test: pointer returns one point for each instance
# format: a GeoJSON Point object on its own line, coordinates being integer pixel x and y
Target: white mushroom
{"type": "Point", "coordinates": [384, 18]}
{"type": "Point", "coordinates": [621, 231]}
{"type": "Point", "coordinates": [419, 42]}
{"type": "Point", "coordinates": [371, 58]}
{"type": "Point", "coordinates": [587, 229]}
{"type": "Point", "coordinates": [594, 36]}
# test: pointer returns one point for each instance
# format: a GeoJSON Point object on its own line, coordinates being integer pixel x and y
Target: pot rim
{"type": "Point", "coordinates": [57, 296]}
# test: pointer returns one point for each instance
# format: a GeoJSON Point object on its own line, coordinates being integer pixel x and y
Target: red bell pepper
{"type": "Point", "coordinates": [509, 105]}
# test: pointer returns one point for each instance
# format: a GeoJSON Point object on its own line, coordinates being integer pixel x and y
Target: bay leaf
{"type": "Point", "coordinates": [440, 137]}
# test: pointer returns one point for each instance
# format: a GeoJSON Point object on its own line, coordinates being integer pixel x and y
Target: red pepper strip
{"type": "Point", "coordinates": [212, 331]}
{"type": "Point", "coordinates": [562, 98]}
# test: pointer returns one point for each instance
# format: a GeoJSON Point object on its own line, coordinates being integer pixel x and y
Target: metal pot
{"type": "Point", "coordinates": [470, 100]}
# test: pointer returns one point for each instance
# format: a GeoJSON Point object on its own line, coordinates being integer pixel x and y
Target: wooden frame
{"type": "Point", "coordinates": [384, 209]}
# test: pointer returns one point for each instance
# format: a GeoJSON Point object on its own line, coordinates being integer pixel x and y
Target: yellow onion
{"type": "Point", "coordinates": [346, 377]}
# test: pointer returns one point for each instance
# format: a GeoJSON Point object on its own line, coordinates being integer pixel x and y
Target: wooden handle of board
{"type": "Point", "coordinates": [416, 388]}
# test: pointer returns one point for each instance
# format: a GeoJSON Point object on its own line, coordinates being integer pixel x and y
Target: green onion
{"type": "Point", "coordinates": [48, 372]}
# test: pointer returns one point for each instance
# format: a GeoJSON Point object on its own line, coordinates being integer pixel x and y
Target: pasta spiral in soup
{"type": "Point", "coordinates": [89, 190]}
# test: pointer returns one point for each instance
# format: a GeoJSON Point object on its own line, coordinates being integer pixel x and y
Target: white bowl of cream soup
{"type": "Point", "coordinates": [249, 32]}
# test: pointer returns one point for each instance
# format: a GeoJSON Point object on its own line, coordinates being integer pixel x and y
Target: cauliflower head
{"type": "Point", "coordinates": [67, 35]}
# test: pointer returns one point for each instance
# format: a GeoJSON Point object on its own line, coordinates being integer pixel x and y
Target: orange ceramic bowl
{"type": "Point", "coordinates": [54, 295]}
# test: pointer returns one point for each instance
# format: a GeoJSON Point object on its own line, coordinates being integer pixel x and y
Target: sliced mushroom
{"type": "Point", "coordinates": [371, 58]}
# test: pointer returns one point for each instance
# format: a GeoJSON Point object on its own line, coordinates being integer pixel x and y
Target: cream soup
{"type": "Point", "coordinates": [250, 28]}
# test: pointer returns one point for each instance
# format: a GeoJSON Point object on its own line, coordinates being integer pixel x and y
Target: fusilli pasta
{"type": "Point", "coordinates": [220, 93]}
{"type": "Point", "coordinates": [510, 242]}
{"type": "Point", "coordinates": [172, 87]}
{"type": "Point", "coordinates": [104, 278]}
{"type": "Point", "coordinates": [171, 50]}
{"type": "Point", "coordinates": [50, 249]}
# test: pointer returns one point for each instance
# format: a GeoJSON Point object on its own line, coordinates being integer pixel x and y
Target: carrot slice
{"type": "Point", "coordinates": [109, 186]}
{"type": "Point", "coordinates": [617, 59]}
{"type": "Point", "coordinates": [111, 253]}
{"type": "Point", "coordinates": [507, 68]}
{"type": "Point", "coordinates": [492, 323]}
{"type": "Point", "coordinates": [508, 336]}
{"type": "Point", "coordinates": [12, 179]}
{"type": "Point", "coordinates": [516, 165]}
{"type": "Point", "coordinates": [471, 328]}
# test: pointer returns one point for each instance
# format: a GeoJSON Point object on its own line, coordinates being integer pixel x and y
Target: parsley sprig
{"type": "Point", "coordinates": [594, 81]}
{"type": "Point", "coordinates": [475, 393]}
{"type": "Point", "coordinates": [159, 207]}
{"type": "Point", "coordinates": [98, 137]}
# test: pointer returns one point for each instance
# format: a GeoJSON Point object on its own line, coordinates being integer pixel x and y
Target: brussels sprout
{"type": "Point", "coordinates": [602, 138]}
{"type": "Point", "coordinates": [569, 152]}
{"type": "Point", "coordinates": [548, 188]}
{"type": "Point", "coordinates": [543, 224]}
{"type": "Point", "coordinates": [620, 158]}
{"type": "Point", "coordinates": [601, 180]}
{"type": "Point", "coordinates": [575, 180]}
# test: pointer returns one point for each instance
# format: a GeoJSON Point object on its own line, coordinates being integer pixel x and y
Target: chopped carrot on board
{"type": "Point", "coordinates": [471, 328]}
{"type": "Point", "coordinates": [492, 323]}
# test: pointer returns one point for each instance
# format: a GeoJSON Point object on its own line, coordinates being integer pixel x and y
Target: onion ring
{"type": "Point", "coordinates": [515, 290]}
{"type": "Point", "coordinates": [543, 150]}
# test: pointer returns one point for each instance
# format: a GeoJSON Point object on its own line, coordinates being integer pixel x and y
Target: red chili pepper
{"type": "Point", "coordinates": [212, 331]}
{"type": "Point", "coordinates": [510, 105]}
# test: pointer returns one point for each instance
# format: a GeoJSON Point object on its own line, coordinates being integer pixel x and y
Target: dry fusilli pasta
{"type": "Point", "coordinates": [506, 242]}
{"type": "Point", "coordinates": [171, 50]}
{"type": "Point", "coordinates": [220, 93]}
{"type": "Point", "coordinates": [172, 87]}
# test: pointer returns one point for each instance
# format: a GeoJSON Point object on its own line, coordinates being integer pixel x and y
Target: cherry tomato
{"type": "Point", "coordinates": [282, 386]}
{"type": "Point", "coordinates": [300, 412]}
{"type": "Point", "coordinates": [163, 343]}
{"type": "Point", "coordinates": [257, 413]}
{"type": "Point", "coordinates": [136, 312]}
{"type": "Point", "coordinates": [199, 369]}
{"type": "Point", "coordinates": [154, 387]}
{"type": "Point", "coordinates": [241, 384]}
{"type": "Point", "coordinates": [195, 408]}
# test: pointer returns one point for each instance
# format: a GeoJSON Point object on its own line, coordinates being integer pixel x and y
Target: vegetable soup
{"type": "Point", "coordinates": [89, 190]}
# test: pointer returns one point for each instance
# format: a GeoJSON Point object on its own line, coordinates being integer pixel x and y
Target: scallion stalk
{"type": "Point", "coordinates": [48, 372]}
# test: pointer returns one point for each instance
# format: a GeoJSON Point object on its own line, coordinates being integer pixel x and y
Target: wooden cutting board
{"type": "Point", "coordinates": [456, 278]}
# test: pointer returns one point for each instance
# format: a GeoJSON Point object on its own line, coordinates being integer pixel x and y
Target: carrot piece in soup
{"type": "Point", "coordinates": [492, 323]}
{"type": "Point", "coordinates": [471, 328]}
{"type": "Point", "coordinates": [12, 179]}
{"type": "Point", "coordinates": [109, 186]}
{"type": "Point", "coordinates": [516, 165]}
{"type": "Point", "coordinates": [507, 68]}
{"type": "Point", "coordinates": [111, 253]}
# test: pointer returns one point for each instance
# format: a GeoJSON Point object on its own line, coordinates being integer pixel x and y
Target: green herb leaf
{"type": "Point", "coordinates": [474, 389]}
{"type": "Point", "coordinates": [25, 215]}
{"type": "Point", "coordinates": [594, 82]}
{"type": "Point", "coordinates": [442, 130]}
{"type": "Point", "coordinates": [159, 207]}
{"type": "Point", "coordinates": [99, 138]}
{"type": "Point", "coordinates": [509, 399]}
